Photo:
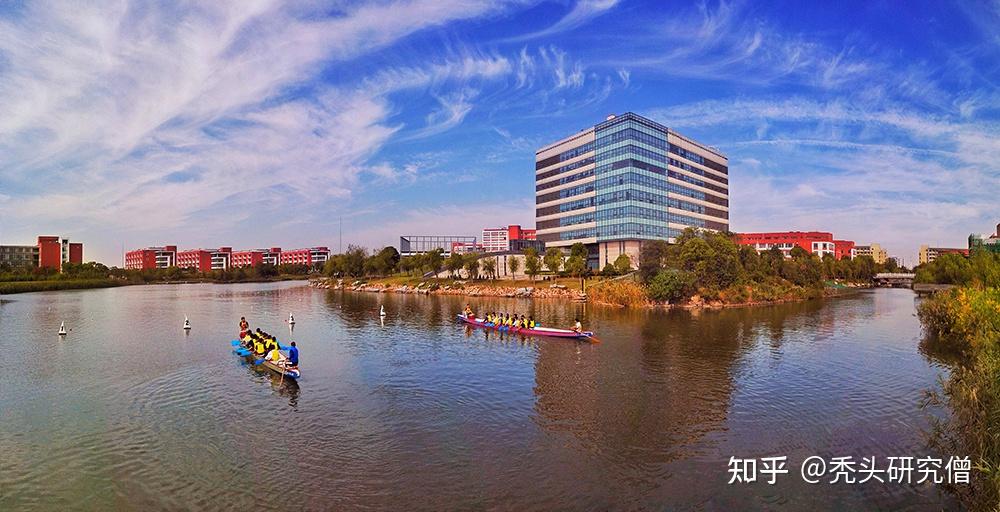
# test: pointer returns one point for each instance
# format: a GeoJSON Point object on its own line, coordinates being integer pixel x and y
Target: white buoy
{"type": "Point", "coordinates": [291, 319]}
{"type": "Point", "coordinates": [381, 311]}
{"type": "Point", "coordinates": [187, 324]}
{"type": "Point", "coordinates": [62, 329]}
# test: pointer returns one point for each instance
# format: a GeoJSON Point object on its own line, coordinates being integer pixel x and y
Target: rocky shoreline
{"type": "Point", "coordinates": [554, 291]}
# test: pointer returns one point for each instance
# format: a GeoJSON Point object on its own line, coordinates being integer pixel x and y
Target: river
{"type": "Point", "coordinates": [417, 412]}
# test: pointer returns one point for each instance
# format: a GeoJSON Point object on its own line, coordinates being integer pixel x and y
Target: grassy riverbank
{"type": "Point", "coordinates": [95, 275]}
{"type": "Point", "coordinates": [964, 323]}
{"type": "Point", "coordinates": [11, 287]}
{"type": "Point", "coordinates": [623, 292]}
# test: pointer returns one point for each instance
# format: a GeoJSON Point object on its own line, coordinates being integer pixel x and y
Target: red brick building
{"type": "Point", "coordinates": [199, 259]}
{"type": "Point", "coordinates": [53, 251]}
{"type": "Point", "coordinates": [75, 252]}
{"type": "Point", "coordinates": [205, 260]}
{"type": "Point", "coordinates": [312, 256]}
{"type": "Point", "coordinates": [251, 258]}
{"type": "Point", "coordinates": [819, 243]}
{"type": "Point", "coordinates": [499, 239]}
{"type": "Point", "coordinates": [151, 257]}
{"type": "Point", "coordinates": [843, 249]}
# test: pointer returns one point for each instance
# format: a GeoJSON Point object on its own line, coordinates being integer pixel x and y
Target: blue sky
{"type": "Point", "coordinates": [261, 123]}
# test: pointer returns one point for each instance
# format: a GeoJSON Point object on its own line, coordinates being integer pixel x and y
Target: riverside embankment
{"type": "Point", "coordinates": [604, 292]}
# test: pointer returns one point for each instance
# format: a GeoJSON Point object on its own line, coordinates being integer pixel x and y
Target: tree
{"type": "Point", "coordinates": [798, 253]}
{"type": "Point", "coordinates": [651, 259]}
{"type": "Point", "coordinates": [948, 269]}
{"type": "Point", "coordinates": [490, 267]}
{"type": "Point", "coordinates": [454, 263]}
{"type": "Point", "coordinates": [472, 265]}
{"type": "Point", "coordinates": [334, 266]}
{"type": "Point", "coordinates": [385, 262]}
{"type": "Point", "coordinates": [576, 265]}
{"type": "Point", "coordinates": [609, 270]}
{"type": "Point", "coordinates": [578, 249]}
{"type": "Point", "coordinates": [354, 260]}
{"type": "Point", "coordinates": [514, 264]}
{"type": "Point", "coordinates": [434, 260]}
{"type": "Point", "coordinates": [623, 264]}
{"type": "Point", "coordinates": [671, 285]}
{"type": "Point", "coordinates": [829, 266]}
{"type": "Point", "coordinates": [553, 259]}
{"type": "Point", "coordinates": [532, 265]}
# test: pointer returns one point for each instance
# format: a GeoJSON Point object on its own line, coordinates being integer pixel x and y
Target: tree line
{"type": "Point", "coordinates": [981, 267]}
{"type": "Point", "coordinates": [93, 270]}
{"type": "Point", "coordinates": [710, 263]}
{"type": "Point", "coordinates": [358, 262]}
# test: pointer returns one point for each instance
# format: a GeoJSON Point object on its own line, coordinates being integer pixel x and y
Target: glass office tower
{"type": "Point", "coordinates": [626, 180]}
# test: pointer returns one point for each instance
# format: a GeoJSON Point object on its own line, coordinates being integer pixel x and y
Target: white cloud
{"type": "Point", "coordinates": [163, 112]}
{"type": "Point", "coordinates": [891, 175]}
{"type": "Point", "coordinates": [581, 13]}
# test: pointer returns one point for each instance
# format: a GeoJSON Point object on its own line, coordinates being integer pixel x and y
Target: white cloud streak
{"type": "Point", "coordinates": [164, 112]}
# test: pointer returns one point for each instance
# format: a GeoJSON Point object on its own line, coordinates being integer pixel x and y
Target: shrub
{"type": "Point", "coordinates": [619, 293]}
{"type": "Point", "coordinates": [671, 285]}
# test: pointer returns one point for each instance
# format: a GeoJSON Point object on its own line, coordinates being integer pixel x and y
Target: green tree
{"type": "Point", "coordinates": [454, 264]}
{"type": "Point", "coordinates": [798, 253]}
{"type": "Point", "coordinates": [514, 264]}
{"type": "Point", "coordinates": [671, 285]}
{"type": "Point", "coordinates": [576, 265]}
{"type": "Point", "coordinates": [490, 267]}
{"type": "Point", "coordinates": [609, 270]}
{"type": "Point", "coordinates": [553, 259]}
{"type": "Point", "coordinates": [829, 266]}
{"type": "Point", "coordinates": [434, 260]}
{"type": "Point", "coordinates": [623, 264]}
{"type": "Point", "coordinates": [652, 256]}
{"type": "Point", "coordinates": [578, 249]}
{"type": "Point", "coordinates": [354, 260]}
{"type": "Point", "coordinates": [532, 264]}
{"type": "Point", "coordinates": [472, 265]}
{"type": "Point", "coordinates": [948, 269]}
{"type": "Point", "coordinates": [864, 268]}
{"type": "Point", "coordinates": [385, 262]}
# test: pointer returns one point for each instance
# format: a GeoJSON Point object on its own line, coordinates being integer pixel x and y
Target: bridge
{"type": "Point", "coordinates": [894, 279]}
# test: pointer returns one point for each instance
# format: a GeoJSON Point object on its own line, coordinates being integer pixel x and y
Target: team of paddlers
{"type": "Point", "coordinates": [266, 346]}
{"type": "Point", "coordinates": [512, 321]}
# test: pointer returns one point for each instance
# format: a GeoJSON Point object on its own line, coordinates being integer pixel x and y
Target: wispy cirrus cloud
{"type": "Point", "coordinates": [900, 171]}
{"type": "Point", "coordinates": [168, 110]}
{"type": "Point", "coordinates": [582, 12]}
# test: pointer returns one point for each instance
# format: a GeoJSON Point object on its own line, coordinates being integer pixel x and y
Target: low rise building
{"type": "Point", "coordinates": [220, 258]}
{"type": "Point", "coordinates": [198, 259]}
{"type": "Point", "coordinates": [19, 255]}
{"type": "Point", "coordinates": [250, 258]}
{"type": "Point", "coordinates": [151, 257]}
{"type": "Point", "coordinates": [819, 243]}
{"type": "Point", "coordinates": [223, 258]}
{"type": "Point", "coordinates": [48, 252]}
{"type": "Point", "coordinates": [466, 248]}
{"type": "Point", "coordinates": [410, 245]}
{"type": "Point", "coordinates": [928, 254]}
{"type": "Point", "coordinates": [312, 256]}
{"type": "Point", "coordinates": [499, 239]}
{"type": "Point", "coordinates": [874, 251]}
{"type": "Point", "coordinates": [985, 242]}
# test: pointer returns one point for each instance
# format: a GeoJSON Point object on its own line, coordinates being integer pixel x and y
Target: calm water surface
{"type": "Point", "coordinates": [419, 413]}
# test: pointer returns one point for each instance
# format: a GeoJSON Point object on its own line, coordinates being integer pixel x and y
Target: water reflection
{"type": "Point", "coordinates": [416, 411]}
